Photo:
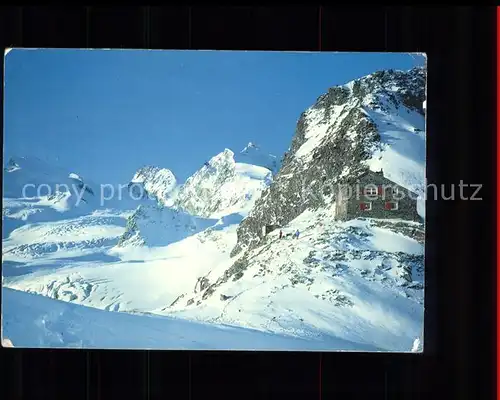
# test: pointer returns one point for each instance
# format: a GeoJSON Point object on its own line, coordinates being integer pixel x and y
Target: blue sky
{"type": "Point", "coordinates": [104, 114]}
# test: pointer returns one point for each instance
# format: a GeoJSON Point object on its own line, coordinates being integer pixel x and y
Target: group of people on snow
{"type": "Point", "coordinates": [295, 235]}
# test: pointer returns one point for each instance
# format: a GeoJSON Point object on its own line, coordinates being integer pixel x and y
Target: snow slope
{"type": "Point", "coordinates": [154, 225]}
{"type": "Point", "coordinates": [123, 278]}
{"type": "Point", "coordinates": [110, 279]}
{"type": "Point", "coordinates": [338, 279]}
{"type": "Point", "coordinates": [34, 321]}
{"type": "Point", "coordinates": [402, 151]}
{"type": "Point", "coordinates": [254, 155]}
{"type": "Point", "coordinates": [71, 237]}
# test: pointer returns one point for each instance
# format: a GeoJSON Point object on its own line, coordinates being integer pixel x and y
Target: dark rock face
{"type": "Point", "coordinates": [307, 183]}
{"type": "Point", "coordinates": [175, 301]}
{"type": "Point", "coordinates": [86, 188]}
{"type": "Point", "coordinates": [411, 86]}
{"type": "Point", "coordinates": [131, 227]}
{"type": "Point", "coordinates": [201, 284]}
{"type": "Point", "coordinates": [236, 272]}
{"type": "Point", "coordinates": [335, 96]}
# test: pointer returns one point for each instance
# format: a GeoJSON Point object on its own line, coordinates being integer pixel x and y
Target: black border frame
{"type": "Point", "coordinates": [460, 45]}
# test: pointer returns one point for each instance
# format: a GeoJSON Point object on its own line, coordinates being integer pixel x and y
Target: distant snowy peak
{"type": "Point", "coordinates": [250, 145]}
{"type": "Point", "coordinates": [33, 177]}
{"type": "Point", "coordinates": [35, 190]}
{"type": "Point", "coordinates": [253, 154]}
{"type": "Point", "coordinates": [32, 164]}
{"type": "Point", "coordinates": [12, 166]}
{"type": "Point", "coordinates": [155, 175]}
{"type": "Point", "coordinates": [217, 170]}
{"type": "Point", "coordinates": [154, 181]}
{"type": "Point", "coordinates": [222, 186]}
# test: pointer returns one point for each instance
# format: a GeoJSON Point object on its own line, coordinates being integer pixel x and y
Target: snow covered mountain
{"type": "Point", "coordinates": [35, 191]}
{"type": "Point", "coordinates": [155, 182]}
{"type": "Point", "coordinates": [196, 251]}
{"type": "Point", "coordinates": [223, 187]}
{"type": "Point", "coordinates": [373, 122]}
{"type": "Point", "coordinates": [41, 322]}
{"type": "Point", "coordinates": [253, 154]}
{"type": "Point", "coordinates": [29, 177]}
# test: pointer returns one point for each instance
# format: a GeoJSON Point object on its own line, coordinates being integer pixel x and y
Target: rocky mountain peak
{"type": "Point", "coordinates": [222, 186]}
{"type": "Point", "coordinates": [222, 165]}
{"type": "Point", "coordinates": [337, 137]}
{"type": "Point", "coordinates": [156, 182]}
{"type": "Point", "coordinates": [12, 165]}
